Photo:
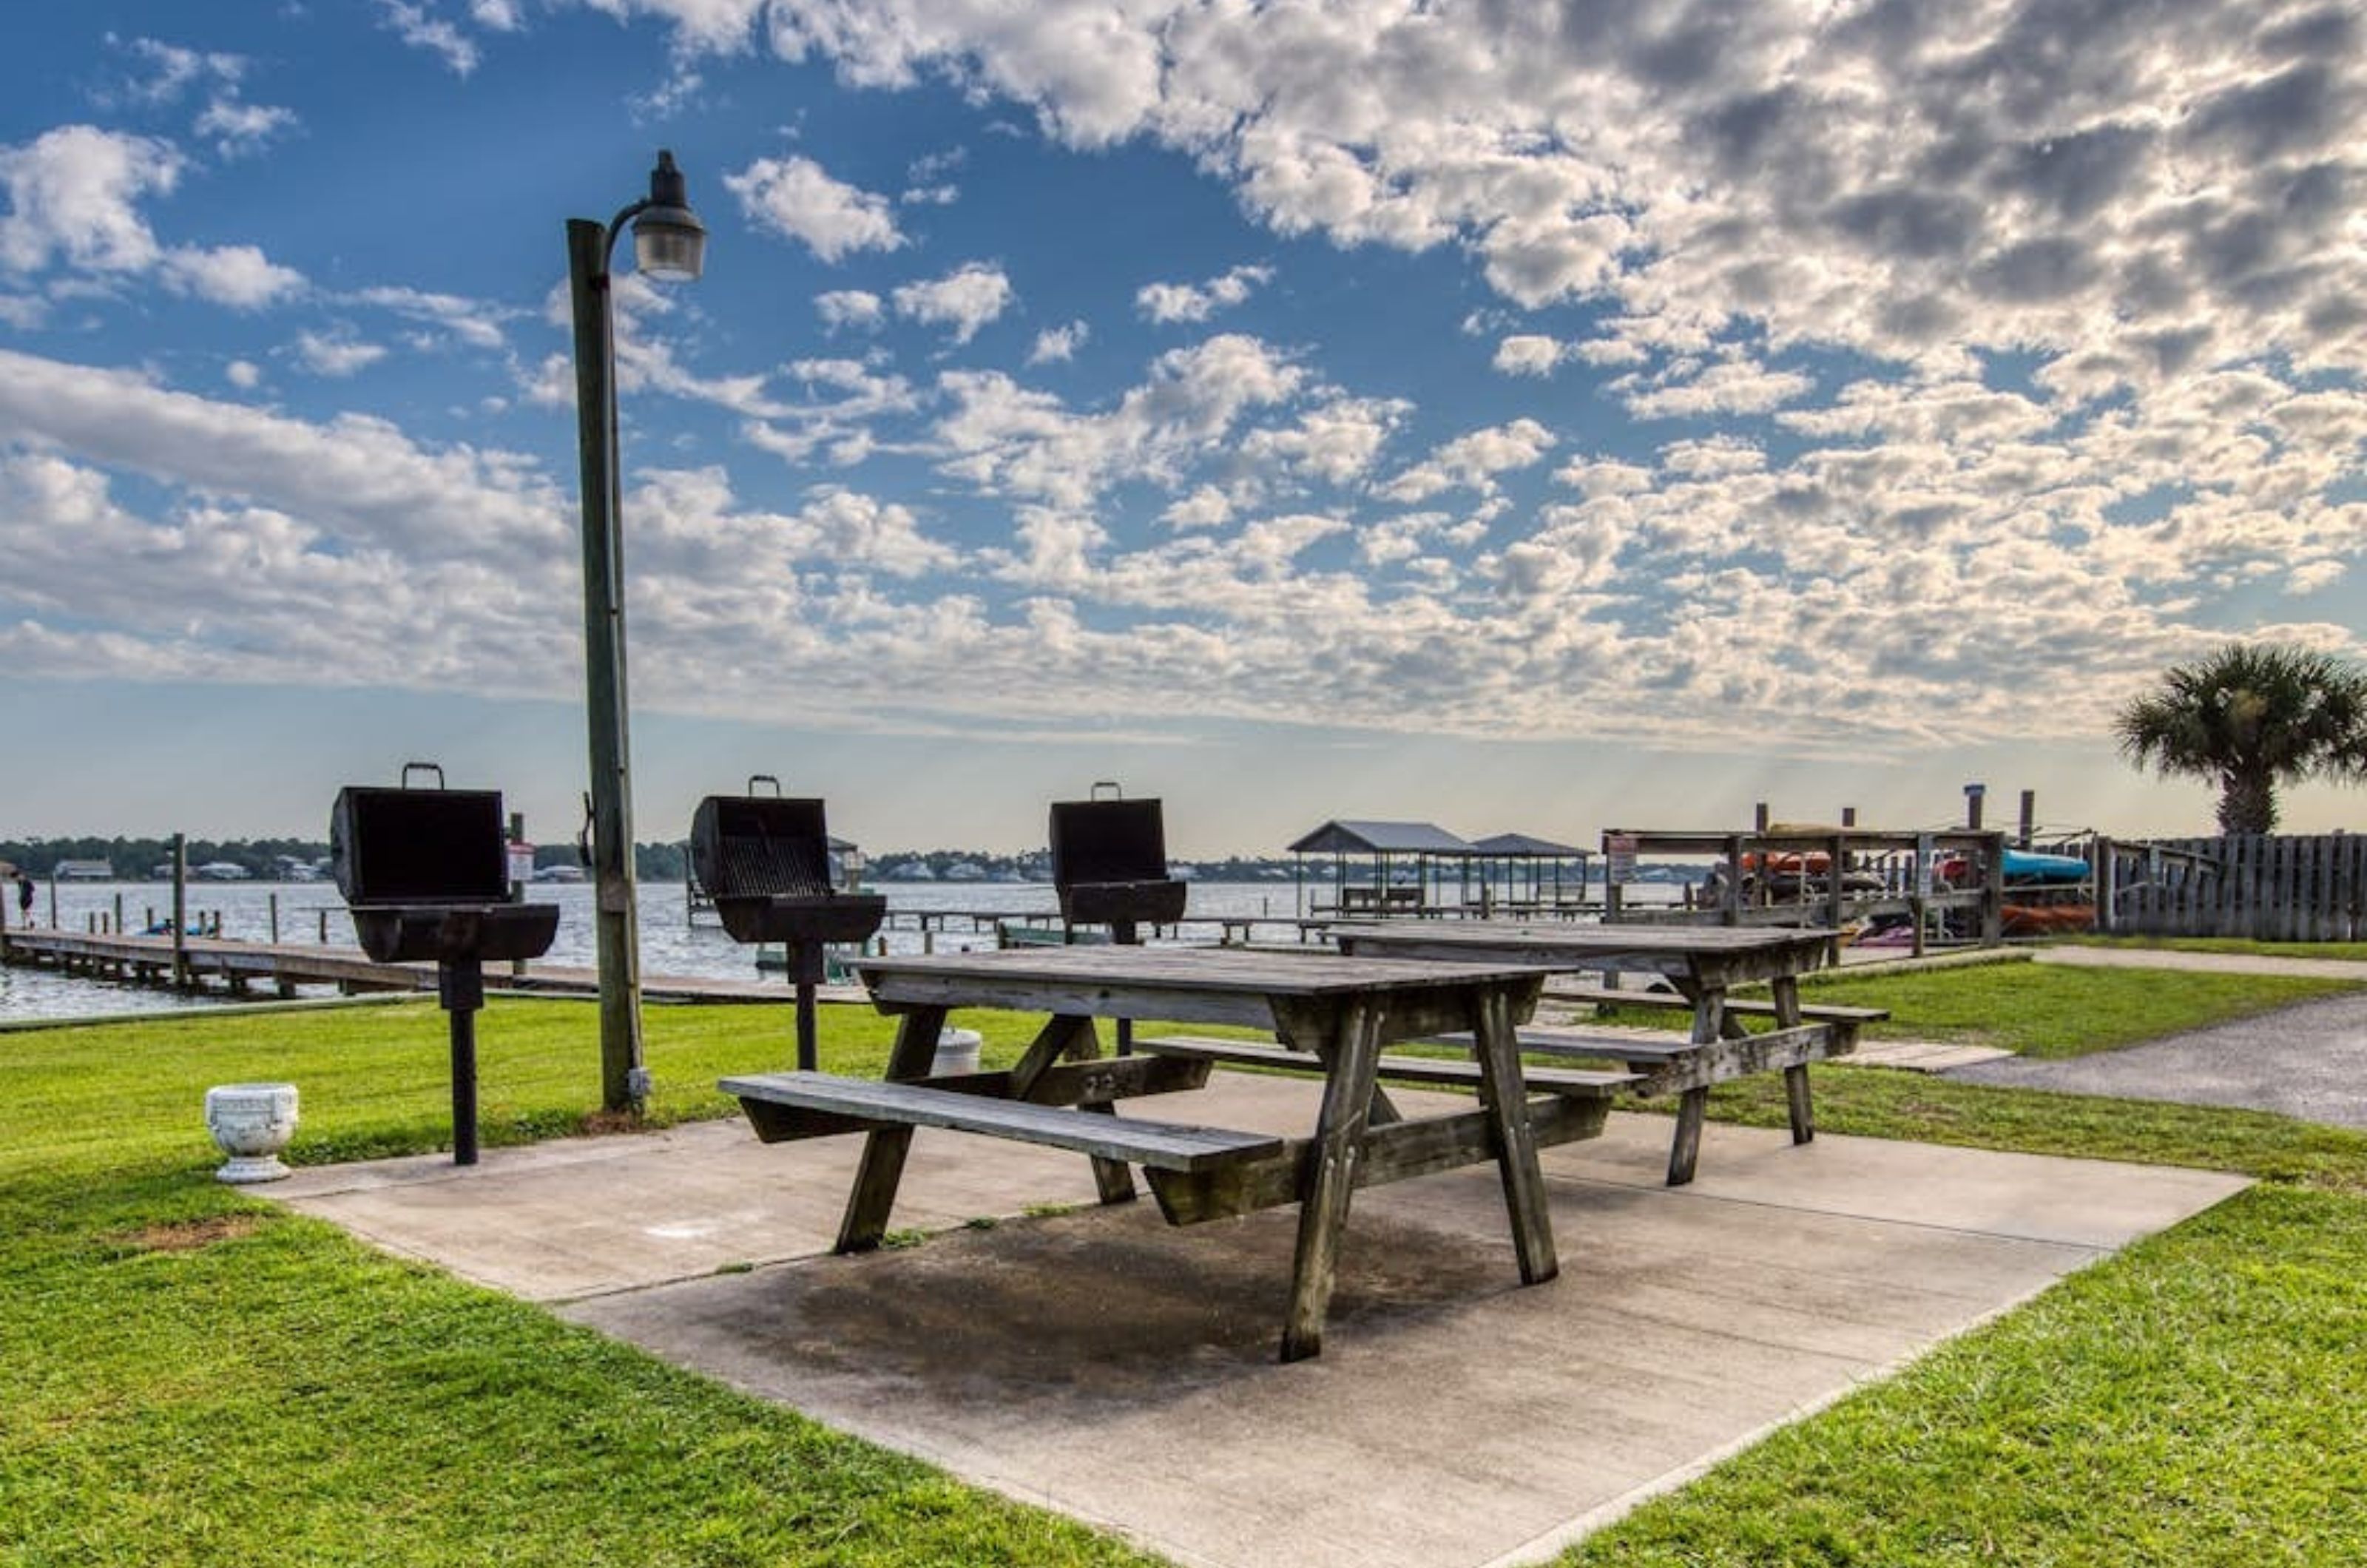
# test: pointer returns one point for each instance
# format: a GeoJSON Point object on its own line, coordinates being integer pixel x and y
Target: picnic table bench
{"type": "Point", "coordinates": [1334, 1015]}
{"type": "Point", "coordinates": [1850, 1018]}
{"type": "Point", "coordinates": [1702, 963]}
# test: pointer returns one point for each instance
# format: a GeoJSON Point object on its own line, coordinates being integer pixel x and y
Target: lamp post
{"type": "Point", "coordinates": [669, 244]}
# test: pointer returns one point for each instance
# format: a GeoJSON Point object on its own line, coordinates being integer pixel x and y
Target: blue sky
{"type": "Point", "coordinates": [1538, 418]}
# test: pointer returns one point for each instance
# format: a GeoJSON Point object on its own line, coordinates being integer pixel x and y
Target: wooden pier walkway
{"type": "Point", "coordinates": [240, 967]}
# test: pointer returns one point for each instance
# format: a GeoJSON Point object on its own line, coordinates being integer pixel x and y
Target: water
{"type": "Point", "coordinates": [312, 912]}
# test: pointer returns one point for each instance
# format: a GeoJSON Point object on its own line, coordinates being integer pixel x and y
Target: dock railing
{"type": "Point", "coordinates": [1949, 884]}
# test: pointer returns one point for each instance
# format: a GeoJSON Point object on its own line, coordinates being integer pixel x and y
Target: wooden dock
{"type": "Point", "coordinates": [242, 967]}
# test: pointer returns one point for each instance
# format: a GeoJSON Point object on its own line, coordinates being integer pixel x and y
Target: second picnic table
{"type": "Point", "coordinates": [1332, 1014]}
{"type": "Point", "coordinates": [1703, 963]}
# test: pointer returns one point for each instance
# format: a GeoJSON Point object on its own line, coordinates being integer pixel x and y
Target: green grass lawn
{"type": "Point", "coordinates": [196, 1377]}
{"type": "Point", "coordinates": [2350, 950]}
{"type": "Point", "coordinates": [2047, 1011]}
{"type": "Point", "coordinates": [2053, 1010]}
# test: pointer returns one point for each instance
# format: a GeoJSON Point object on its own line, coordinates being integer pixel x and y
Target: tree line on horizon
{"type": "Point", "coordinates": [137, 859]}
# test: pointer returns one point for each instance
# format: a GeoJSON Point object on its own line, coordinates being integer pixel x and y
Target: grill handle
{"type": "Point", "coordinates": [1109, 784]}
{"type": "Point", "coordinates": [411, 768]}
{"type": "Point", "coordinates": [756, 779]}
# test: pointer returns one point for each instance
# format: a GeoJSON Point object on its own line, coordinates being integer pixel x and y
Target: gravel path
{"type": "Point", "coordinates": [2308, 1061]}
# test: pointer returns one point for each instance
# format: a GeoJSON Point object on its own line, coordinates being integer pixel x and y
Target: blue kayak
{"type": "Point", "coordinates": [2025, 865]}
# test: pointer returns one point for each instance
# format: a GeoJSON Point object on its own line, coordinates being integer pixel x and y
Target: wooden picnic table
{"type": "Point", "coordinates": [1702, 963]}
{"type": "Point", "coordinates": [1338, 1012]}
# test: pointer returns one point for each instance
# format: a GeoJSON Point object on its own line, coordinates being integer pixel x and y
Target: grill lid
{"type": "Point", "coordinates": [1109, 862]}
{"type": "Point", "coordinates": [748, 846]}
{"type": "Point", "coordinates": [419, 846]}
{"type": "Point", "coordinates": [766, 861]}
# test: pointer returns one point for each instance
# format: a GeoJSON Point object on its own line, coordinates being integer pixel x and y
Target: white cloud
{"type": "Point", "coordinates": [422, 28]}
{"type": "Point", "coordinates": [1473, 460]}
{"type": "Point", "coordinates": [240, 129]}
{"type": "Point", "coordinates": [1009, 440]}
{"type": "Point", "coordinates": [1736, 384]}
{"type": "Point", "coordinates": [74, 196]}
{"type": "Point", "coordinates": [796, 198]}
{"type": "Point", "coordinates": [965, 300]}
{"type": "Point", "coordinates": [244, 374]}
{"type": "Point", "coordinates": [238, 276]}
{"type": "Point", "coordinates": [472, 322]}
{"type": "Point", "coordinates": [1170, 302]}
{"type": "Point", "coordinates": [336, 355]}
{"type": "Point", "coordinates": [1525, 354]}
{"type": "Point", "coordinates": [1059, 344]}
{"type": "Point", "coordinates": [168, 71]}
{"type": "Point", "coordinates": [1206, 507]}
{"type": "Point", "coordinates": [850, 308]}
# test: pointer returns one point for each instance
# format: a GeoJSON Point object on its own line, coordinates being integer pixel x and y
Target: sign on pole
{"type": "Point", "coordinates": [1619, 857]}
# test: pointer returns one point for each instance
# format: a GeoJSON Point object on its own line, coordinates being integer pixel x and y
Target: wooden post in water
{"type": "Point", "coordinates": [180, 912]}
{"type": "Point", "coordinates": [275, 920]}
{"type": "Point", "coordinates": [2028, 818]}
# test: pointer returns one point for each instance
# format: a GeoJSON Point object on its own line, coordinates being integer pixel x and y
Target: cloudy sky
{"type": "Point", "coordinates": [1518, 415]}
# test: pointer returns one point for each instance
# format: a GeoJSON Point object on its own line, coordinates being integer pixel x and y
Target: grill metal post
{"type": "Point", "coordinates": [461, 988]}
{"type": "Point", "coordinates": [615, 919]}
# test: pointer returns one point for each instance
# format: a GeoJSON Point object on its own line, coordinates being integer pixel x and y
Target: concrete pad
{"type": "Point", "coordinates": [1103, 1364]}
{"type": "Point", "coordinates": [1922, 1056]}
{"type": "Point", "coordinates": [581, 1216]}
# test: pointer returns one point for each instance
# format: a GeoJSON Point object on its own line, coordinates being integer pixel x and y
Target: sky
{"type": "Point", "coordinates": [1518, 416]}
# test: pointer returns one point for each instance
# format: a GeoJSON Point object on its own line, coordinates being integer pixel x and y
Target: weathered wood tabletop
{"type": "Point", "coordinates": [1701, 961]}
{"type": "Point", "coordinates": [1709, 956]}
{"type": "Point", "coordinates": [1343, 1010]}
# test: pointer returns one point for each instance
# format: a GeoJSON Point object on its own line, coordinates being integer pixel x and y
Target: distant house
{"type": "Point", "coordinates": [221, 871]}
{"type": "Point", "coordinates": [84, 871]}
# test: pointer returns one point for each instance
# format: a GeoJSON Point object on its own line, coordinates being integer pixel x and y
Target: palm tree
{"type": "Point", "coordinates": [2251, 716]}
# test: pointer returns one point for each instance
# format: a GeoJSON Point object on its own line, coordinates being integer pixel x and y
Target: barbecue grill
{"type": "Point", "coordinates": [1109, 863]}
{"type": "Point", "coordinates": [1109, 866]}
{"type": "Point", "coordinates": [766, 861]}
{"type": "Point", "coordinates": [426, 875]}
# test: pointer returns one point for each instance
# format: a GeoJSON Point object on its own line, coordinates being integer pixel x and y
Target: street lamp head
{"type": "Point", "coordinates": [669, 242]}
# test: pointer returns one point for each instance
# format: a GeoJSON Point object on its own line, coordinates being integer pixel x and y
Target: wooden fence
{"type": "Point", "coordinates": [2279, 888]}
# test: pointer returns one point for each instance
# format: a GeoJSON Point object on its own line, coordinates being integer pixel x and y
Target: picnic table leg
{"type": "Point", "coordinates": [1349, 1040]}
{"type": "Point", "coordinates": [1071, 1037]}
{"type": "Point", "coordinates": [873, 1196]}
{"type": "Point", "coordinates": [1502, 1096]}
{"type": "Point", "coordinates": [1712, 1023]}
{"type": "Point", "coordinates": [1786, 988]}
{"type": "Point", "coordinates": [1113, 1179]}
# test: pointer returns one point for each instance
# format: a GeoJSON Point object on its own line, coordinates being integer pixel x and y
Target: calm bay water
{"type": "Point", "coordinates": [312, 912]}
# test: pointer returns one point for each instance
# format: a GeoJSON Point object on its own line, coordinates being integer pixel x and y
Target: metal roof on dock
{"type": "Point", "coordinates": [1343, 836]}
{"type": "Point", "coordinates": [1526, 844]}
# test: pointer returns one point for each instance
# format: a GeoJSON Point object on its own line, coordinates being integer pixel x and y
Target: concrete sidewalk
{"type": "Point", "coordinates": [2078, 957]}
{"type": "Point", "coordinates": [1098, 1362]}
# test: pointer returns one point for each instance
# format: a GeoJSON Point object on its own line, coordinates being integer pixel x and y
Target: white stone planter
{"type": "Point", "coordinates": [251, 1123]}
{"type": "Point", "coordinates": [956, 1052]}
